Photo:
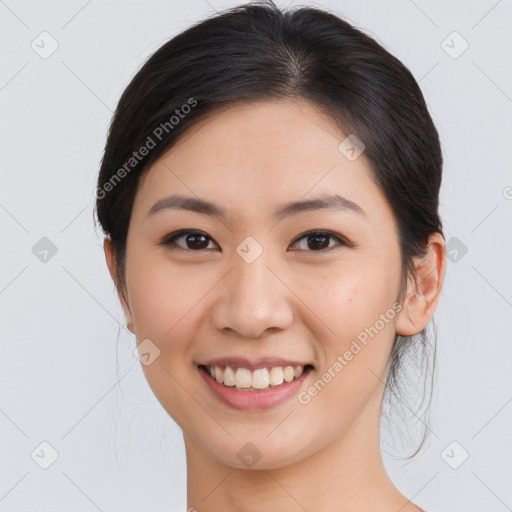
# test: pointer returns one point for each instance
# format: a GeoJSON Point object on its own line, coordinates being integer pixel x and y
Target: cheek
{"type": "Point", "coordinates": [163, 301]}
{"type": "Point", "coordinates": [363, 313]}
{"type": "Point", "coordinates": [353, 373]}
{"type": "Point", "coordinates": [165, 304]}
{"type": "Point", "coordinates": [349, 300]}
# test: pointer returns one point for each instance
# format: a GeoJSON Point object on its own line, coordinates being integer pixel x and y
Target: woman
{"type": "Point", "coordinates": [269, 195]}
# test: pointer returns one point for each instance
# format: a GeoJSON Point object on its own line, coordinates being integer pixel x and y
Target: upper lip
{"type": "Point", "coordinates": [253, 364]}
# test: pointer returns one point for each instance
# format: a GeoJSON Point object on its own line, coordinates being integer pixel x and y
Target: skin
{"type": "Point", "coordinates": [294, 301]}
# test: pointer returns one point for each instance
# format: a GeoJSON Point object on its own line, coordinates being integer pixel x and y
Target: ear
{"type": "Point", "coordinates": [111, 264]}
{"type": "Point", "coordinates": [423, 292]}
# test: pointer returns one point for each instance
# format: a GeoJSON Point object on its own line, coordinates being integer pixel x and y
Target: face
{"type": "Point", "coordinates": [253, 285]}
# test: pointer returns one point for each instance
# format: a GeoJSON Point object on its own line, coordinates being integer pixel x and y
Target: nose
{"type": "Point", "coordinates": [252, 299]}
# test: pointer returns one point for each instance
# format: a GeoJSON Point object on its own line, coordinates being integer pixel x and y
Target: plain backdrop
{"type": "Point", "coordinates": [70, 401]}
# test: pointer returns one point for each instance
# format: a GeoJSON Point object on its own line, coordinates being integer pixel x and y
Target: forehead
{"type": "Point", "coordinates": [254, 156]}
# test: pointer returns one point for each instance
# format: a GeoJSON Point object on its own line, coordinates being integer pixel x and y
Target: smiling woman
{"type": "Point", "coordinates": [280, 245]}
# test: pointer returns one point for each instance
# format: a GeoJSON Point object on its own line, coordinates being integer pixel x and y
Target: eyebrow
{"type": "Point", "coordinates": [323, 202]}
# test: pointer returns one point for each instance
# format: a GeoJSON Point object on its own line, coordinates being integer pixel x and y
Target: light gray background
{"type": "Point", "coordinates": [59, 382]}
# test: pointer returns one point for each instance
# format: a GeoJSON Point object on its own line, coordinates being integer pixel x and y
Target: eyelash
{"type": "Point", "coordinates": [170, 240]}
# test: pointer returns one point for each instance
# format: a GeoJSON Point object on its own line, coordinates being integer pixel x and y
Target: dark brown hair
{"type": "Point", "coordinates": [256, 52]}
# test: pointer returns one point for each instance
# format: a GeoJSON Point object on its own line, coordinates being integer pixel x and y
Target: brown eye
{"type": "Point", "coordinates": [194, 240]}
{"type": "Point", "coordinates": [317, 241]}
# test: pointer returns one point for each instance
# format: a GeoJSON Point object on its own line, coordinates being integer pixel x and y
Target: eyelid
{"type": "Point", "coordinates": [342, 240]}
{"type": "Point", "coordinates": [169, 240]}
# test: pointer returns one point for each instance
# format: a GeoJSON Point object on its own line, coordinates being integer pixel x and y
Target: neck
{"type": "Point", "coordinates": [346, 475]}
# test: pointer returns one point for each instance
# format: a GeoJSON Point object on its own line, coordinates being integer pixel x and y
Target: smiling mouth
{"type": "Point", "coordinates": [261, 379]}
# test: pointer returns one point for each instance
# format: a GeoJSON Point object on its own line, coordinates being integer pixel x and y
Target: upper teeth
{"type": "Point", "coordinates": [261, 378]}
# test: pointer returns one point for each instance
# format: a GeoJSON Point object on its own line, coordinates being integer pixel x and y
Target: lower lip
{"type": "Point", "coordinates": [253, 400]}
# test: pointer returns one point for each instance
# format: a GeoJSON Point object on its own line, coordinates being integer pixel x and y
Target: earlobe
{"type": "Point", "coordinates": [424, 290]}
{"type": "Point", "coordinates": [111, 264]}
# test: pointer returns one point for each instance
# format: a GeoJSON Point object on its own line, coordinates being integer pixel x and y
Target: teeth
{"type": "Point", "coordinates": [229, 377]}
{"type": "Point", "coordinates": [289, 373]}
{"type": "Point", "coordinates": [262, 378]}
{"type": "Point", "coordinates": [243, 378]}
{"type": "Point", "coordinates": [276, 376]}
